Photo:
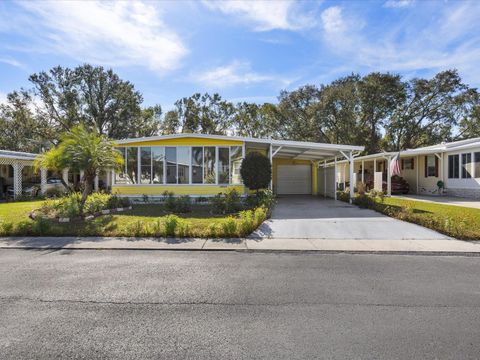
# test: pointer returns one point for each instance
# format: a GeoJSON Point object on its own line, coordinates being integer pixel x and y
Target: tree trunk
{"type": "Point", "coordinates": [87, 190]}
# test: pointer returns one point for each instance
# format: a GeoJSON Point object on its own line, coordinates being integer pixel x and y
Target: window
{"type": "Point", "coordinates": [171, 158]}
{"type": "Point", "coordinates": [209, 176]}
{"type": "Point", "coordinates": [431, 164]}
{"type": "Point", "coordinates": [408, 164]}
{"type": "Point", "coordinates": [120, 176]}
{"type": "Point", "coordinates": [476, 165]}
{"type": "Point", "coordinates": [235, 163]}
{"type": "Point", "coordinates": [466, 165]}
{"type": "Point", "coordinates": [158, 156]}
{"type": "Point", "coordinates": [223, 165]}
{"type": "Point", "coordinates": [197, 165]}
{"type": "Point", "coordinates": [453, 166]}
{"type": "Point", "coordinates": [132, 165]}
{"type": "Point", "coordinates": [183, 163]}
{"type": "Point", "coordinates": [145, 165]}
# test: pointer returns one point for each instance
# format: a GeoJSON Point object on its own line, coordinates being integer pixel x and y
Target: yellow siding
{"type": "Point", "coordinates": [188, 141]}
{"type": "Point", "coordinates": [177, 189]}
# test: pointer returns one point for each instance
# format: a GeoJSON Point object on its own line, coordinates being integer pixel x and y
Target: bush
{"type": "Point", "coordinates": [260, 215]}
{"type": "Point", "coordinates": [232, 201]}
{"type": "Point", "coordinates": [136, 228]}
{"type": "Point", "coordinates": [170, 223]}
{"type": "Point", "coordinates": [256, 171]}
{"type": "Point", "coordinates": [69, 206]}
{"type": "Point", "coordinates": [96, 202]}
{"type": "Point", "coordinates": [41, 226]}
{"type": "Point", "coordinates": [6, 228]}
{"type": "Point", "coordinates": [229, 226]}
{"type": "Point", "coordinates": [247, 222]}
{"type": "Point", "coordinates": [343, 196]}
{"type": "Point", "coordinates": [219, 205]}
{"type": "Point", "coordinates": [212, 229]}
{"type": "Point", "coordinates": [169, 200]}
{"type": "Point", "coordinates": [183, 204]}
{"type": "Point", "coordinates": [183, 228]}
{"type": "Point", "coordinates": [53, 192]}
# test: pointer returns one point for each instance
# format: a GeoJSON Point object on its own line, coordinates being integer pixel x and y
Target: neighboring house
{"type": "Point", "coordinates": [16, 170]}
{"type": "Point", "coordinates": [456, 164]}
{"type": "Point", "coordinates": [204, 165]}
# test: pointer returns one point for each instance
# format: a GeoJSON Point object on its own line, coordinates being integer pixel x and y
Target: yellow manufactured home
{"type": "Point", "coordinates": [204, 165]}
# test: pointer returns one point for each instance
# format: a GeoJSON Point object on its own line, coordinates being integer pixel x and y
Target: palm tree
{"type": "Point", "coordinates": [81, 149]}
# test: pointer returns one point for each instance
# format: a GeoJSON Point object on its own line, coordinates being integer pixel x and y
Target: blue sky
{"type": "Point", "coordinates": [244, 50]}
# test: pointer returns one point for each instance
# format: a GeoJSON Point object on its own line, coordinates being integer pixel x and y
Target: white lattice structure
{"type": "Point", "coordinates": [18, 160]}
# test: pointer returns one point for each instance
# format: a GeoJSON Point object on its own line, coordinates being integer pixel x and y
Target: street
{"type": "Point", "coordinates": [90, 304]}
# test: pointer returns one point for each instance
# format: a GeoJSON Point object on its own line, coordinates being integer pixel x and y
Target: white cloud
{"type": "Point", "coordinates": [265, 15]}
{"type": "Point", "coordinates": [12, 62]}
{"type": "Point", "coordinates": [449, 39]}
{"type": "Point", "coordinates": [236, 73]}
{"type": "Point", "coordinates": [398, 3]}
{"type": "Point", "coordinates": [110, 33]}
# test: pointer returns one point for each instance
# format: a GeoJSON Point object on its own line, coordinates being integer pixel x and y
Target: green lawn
{"type": "Point", "coordinates": [143, 220]}
{"type": "Point", "coordinates": [459, 222]}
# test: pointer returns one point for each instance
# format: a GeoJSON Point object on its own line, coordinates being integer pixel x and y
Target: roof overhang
{"type": "Point", "coordinates": [301, 150]}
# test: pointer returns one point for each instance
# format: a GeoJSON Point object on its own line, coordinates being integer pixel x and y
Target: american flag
{"type": "Point", "coordinates": [395, 165]}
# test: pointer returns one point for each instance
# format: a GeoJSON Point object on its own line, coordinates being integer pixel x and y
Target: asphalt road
{"type": "Point", "coordinates": [225, 305]}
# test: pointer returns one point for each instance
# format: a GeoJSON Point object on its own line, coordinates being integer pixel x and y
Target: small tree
{"type": "Point", "coordinates": [82, 150]}
{"type": "Point", "coordinates": [256, 171]}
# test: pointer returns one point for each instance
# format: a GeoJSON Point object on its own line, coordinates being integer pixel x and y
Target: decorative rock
{"type": "Point", "coordinates": [105, 212]}
{"type": "Point", "coordinates": [119, 209]}
{"type": "Point", "coordinates": [64, 220]}
{"type": "Point", "coordinates": [89, 217]}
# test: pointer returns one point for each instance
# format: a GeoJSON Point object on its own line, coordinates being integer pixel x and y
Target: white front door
{"type": "Point", "coordinates": [294, 179]}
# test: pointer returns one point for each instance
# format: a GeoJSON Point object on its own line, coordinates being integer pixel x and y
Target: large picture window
{"type": "Point", "coordinates": [476, 165]}
{"type": "Point", "coordinates": [180, 165]}
{"type": "Point", "coordinates": [183, 162]}
{"type": "Point", "coordinates": [145, 165]}
{"type": "Point", "coordinates": [158, 158]}
{"type": "Point", "coordinates": [236, 155]}
{"type": "Point", "coordinates": [197, 165]}
{"type": "Point", "coordinates": [453, 166]}
{"type": "Point", "coordinates": [223, 165]}
{"type": "Point", "coordinates": [466, 165]}
{"type": "Point", "coordinates": [209, 175]}
{"type": "Point", "coordinates": [132, 165]}
{"type": "Point", "coordinates": [171, 160]}
{"type": "Point", "coordinates": [121, 176]}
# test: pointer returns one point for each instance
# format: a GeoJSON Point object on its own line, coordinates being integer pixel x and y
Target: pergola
{"type": "Point", "coordinates": [18, 160]}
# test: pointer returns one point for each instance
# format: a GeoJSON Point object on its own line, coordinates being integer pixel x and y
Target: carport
{"type": "Point", "coordinates": [298, 166]}
{"type": "Point", "coordinates": [18, 161]}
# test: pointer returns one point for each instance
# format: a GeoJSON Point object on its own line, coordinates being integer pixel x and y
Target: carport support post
{"type": "Point", "coordinates": [43, 181]}
{"type": "Point", "coordinates": [325, 178]}
{"type": "Point", "coordinates": [363, 171]}
{"type": "Point", "coordinates": [389, 177]}
{"type": "Point", "coordinates": [17, 179]}
{"type": "Point", "coordinates": [335, 182]}
{"type": "Point", "coordinates": [270, 155]}
{"type": "Point", "coordinates": [352, 185]}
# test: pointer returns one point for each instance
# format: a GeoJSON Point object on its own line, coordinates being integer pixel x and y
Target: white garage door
{"type": "Point", "coordinates": [294, 179]}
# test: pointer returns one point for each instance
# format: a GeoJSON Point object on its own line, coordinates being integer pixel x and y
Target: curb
{"type": "Point", "coordinates": [264, 251]}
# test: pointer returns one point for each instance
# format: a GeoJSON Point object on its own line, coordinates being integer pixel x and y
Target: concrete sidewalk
{"type": "Point", "coordinates": [278, 244]}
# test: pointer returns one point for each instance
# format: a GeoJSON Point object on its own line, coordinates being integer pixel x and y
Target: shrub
{"type": "Point", "coordinates": [229, 226]}
{"type": "Point", "coordinates": [41, 226]}
{"type": "Point", "coordinates": [136, 228]}
{"type": "Point", "coordinates": [145, 198]}
{"type": "Point", "coordinates": [267, 199]}
{"type": "Point", "coordinates": [212, 229]}
{"type": "Point", "coordinates": [201, 200]}
{"type": "Point", "coordinates": [219, 205]}
{"type": "Point", "coordinates": [157, 228]}
{"type": "Point", "coordinates": [6, 228]}
{"type": "Point", "coordinates": [183, 204]}
{"type": "Point", "coordinates": [53, 192]}
{"type": "Point", "coordinates": [260, 215]}
{"type": "Point", "coordinates": [247, 223]}
{"type": "Point", "coordinates": [256, 171]}
{"type": "Point", "coordinates": [183, 228]}
{"type": "Point", "coordinates": [343, 196]}
{"type": "Point", "coordinates": [169, 201]}
{"type": "Point", "coordinates": [170, 223]}
{"type": "Point", "coordinates": [96, 202]}
{"type": "Point", "coordinates": [232, 201]}
{"type": "Point", "coordinates": [69, 206]}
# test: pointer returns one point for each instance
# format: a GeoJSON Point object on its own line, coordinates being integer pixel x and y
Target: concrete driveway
{"type": "Point", "coordinates": [308, 217]}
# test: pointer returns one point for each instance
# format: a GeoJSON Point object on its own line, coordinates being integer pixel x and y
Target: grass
{"type": "Point", "coordinates": [143, 220]}
{"type": "Point", "coordinates": [456, 221]}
